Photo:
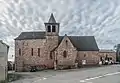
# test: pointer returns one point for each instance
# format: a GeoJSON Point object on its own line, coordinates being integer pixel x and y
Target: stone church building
{"type": "Point", "coordinates": [49, 50]}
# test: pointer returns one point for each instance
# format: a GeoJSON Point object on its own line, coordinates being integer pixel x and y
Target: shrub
{"type": "Point", "coordinates": [2, 81]}
{"type": "Point", "coordinates": [13, 77]}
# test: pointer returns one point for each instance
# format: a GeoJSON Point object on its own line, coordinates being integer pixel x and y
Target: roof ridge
{"type": "Point", "coordinates": [81, 36]}
{"type": "Point", "coordinates": [31, 31]}
{"type": "Point", "coordinates": [4, 43]}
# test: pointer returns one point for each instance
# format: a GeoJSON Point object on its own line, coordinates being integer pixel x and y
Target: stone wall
{"type": "Point", "coordinates": [109, 55]}
{"type": "Point", "coordinates": [91, 57]}
{"type": "Point", "coordinates": [69, 59]}
{"type": "Point", "coordinates": [26, 57]}
{"type": "Point", "coordinates": [51, 42]}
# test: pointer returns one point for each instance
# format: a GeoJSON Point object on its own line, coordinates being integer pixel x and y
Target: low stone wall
{"type": "Point", "coordinates": [27, 67]}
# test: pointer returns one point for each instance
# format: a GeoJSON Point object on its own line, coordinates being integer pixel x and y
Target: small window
{"type": "Point", "coordinates": [23, 43]}
{"type": "Point", "coordinates": [84, 55]}
{"type": "Point", "coordinates": [106, 57]}
{"type": "Point", "coordinates": [19, 51]}
{"type": "Point", "coordinates": [53, 28]}
{"type": "Point", "coordinates": [101, 59]}
{"type": "Point", "coordinates": [65, 54]}
{"type": "Point", "coordinates": [32, 51]}
{"type": "Point", "coordinates": [66, 42]}
{"type": "Point", "coordinates": [56, 61]}
{"type": "Point", "coordinates": [38, 51]}
{"type": "Point", "coordinates": [51, 55]}
{"type": "Point", "coordinates": [49, 28]}
{"type": "Point", "coordinates": [110, 58]}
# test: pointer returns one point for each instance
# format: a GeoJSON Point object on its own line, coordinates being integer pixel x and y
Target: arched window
{"type": "Point", "coordinates": [101, 59]}
{"type": "Point", "coordinates": [39, 52]}
{"type": "Point", "coordinates": [19, 52]}
{"type": "Point", "coordinates": [53, 28]}
{"type": "Point", "coordinates": [32, 51]}
{"type": "Point", "coordinates": [66, 42]}
{"type": "Point", "coordinates": [51, 55]}
{"type": "Point", "coordinates": [65, 54]}
{"type": "Point", "coordinates": [84, 55]}
{"type": "Point", "coordinates": [49, 28]}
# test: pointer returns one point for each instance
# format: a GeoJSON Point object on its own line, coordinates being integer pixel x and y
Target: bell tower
{"type": "Point", "coordinates": [52, 33]}
{"type": "Point", "coordinates": [52, 28]}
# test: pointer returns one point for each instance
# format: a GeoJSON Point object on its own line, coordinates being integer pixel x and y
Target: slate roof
{"type": "Point", "coordinates": [4, 43]}
{"type": "Point", "coordinates": [31, 35]}
{"type": "Point", "coordinates": [83, 43]}
{"type": "Point", "coordinates": [52, 19]}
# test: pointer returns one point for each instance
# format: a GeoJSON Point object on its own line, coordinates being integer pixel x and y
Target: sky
{"type": "Point", "coordinates": [99, 18]}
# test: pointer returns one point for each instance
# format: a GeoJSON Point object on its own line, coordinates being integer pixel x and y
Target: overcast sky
{"type": "Point", "coordinates": [99, 18]}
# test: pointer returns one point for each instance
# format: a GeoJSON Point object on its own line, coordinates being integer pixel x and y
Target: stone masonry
{"type": "Point", "coordinates": [47, 49]}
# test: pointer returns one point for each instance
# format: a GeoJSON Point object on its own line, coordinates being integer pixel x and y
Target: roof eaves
{"type": "Point", "coordinates": [4, 43]}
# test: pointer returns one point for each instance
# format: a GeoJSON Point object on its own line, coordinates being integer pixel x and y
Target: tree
{"type": "Point", "coordinates": [117, 48]}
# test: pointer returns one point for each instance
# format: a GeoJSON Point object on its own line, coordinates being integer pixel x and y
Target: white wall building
{"type": "Point", "coordinates": [3, 60]}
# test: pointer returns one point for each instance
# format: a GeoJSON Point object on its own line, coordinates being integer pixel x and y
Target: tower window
{"type": "Point", "coordinates": [49, 28]}
{"type": "Point", "coordinates": [19, 51]}
{"type": "Point", "coordinates": [65, 54]}
{"type": "Point", "coordinates": [32, 51]}
{"type": "Point", "coordinates": [53, 28]}
{"type": "Point", "coordinates": [38, 51]}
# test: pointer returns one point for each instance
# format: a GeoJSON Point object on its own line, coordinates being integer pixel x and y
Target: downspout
{"type": "Point", "coordinates": [55, 60]}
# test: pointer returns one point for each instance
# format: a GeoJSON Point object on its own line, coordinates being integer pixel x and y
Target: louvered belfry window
{"type": "Point", "coordinates": [53, 28]}
{"type": "Point", "coordinates": [49, 28]}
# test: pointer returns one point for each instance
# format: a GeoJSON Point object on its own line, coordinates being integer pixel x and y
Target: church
{"type": "Point", "coordinates": [48, 50]}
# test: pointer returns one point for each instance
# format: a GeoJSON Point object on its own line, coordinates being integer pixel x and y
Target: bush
{"type": "Point", "coordinates": [13, 77]}
{"type": "Point", "coordinates": [2, 81]}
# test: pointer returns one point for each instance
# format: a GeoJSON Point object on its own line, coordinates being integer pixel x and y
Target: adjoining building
{"type": "Point", "coordinates": [47, 49]}
{"type": "Point", "coordinates": [107, 56]}
{"type": "Point", "coordinates": [3, 60]}
{"type": "Point", "coordinates": [10, 65]}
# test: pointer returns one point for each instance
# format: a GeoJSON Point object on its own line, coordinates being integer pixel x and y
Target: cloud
{"type": "Point", "coordinates": [100, 18]}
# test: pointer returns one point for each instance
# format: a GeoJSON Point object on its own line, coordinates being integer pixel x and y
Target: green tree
{"type": "Point", "coordinates": [117, 48]}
